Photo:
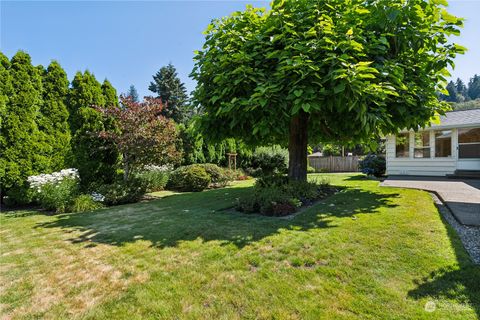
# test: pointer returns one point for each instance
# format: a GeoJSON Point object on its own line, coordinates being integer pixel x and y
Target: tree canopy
{"type": "Point", "coordinates": [346, 70]}
{"type": "Point", "coordinates": [110, 94]}
{"type": "Point", "coordinates": [171, 90]}
{"type": "Point", "coordinates": [459, 92]}
{"type": "Point", "coordinates": [22, 143]}
{"type": "Point", "coordinates": [95, 158]}
{"type": "Point", "coordinates": [144, 137]}
{"type": "Point", "coordinates": [54, 120]}
{"type": "Point", "coordinates": [133, 94]}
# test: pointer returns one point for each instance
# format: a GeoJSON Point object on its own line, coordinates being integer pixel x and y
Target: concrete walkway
{"type": "Point", "coordinates": [461, 196]}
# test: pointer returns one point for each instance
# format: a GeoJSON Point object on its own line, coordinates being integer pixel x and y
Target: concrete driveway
{"type": "Point", "coordinates": [461, 196]}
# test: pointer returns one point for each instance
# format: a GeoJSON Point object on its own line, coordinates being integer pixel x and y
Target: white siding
{"type": "Point", "coordinates": [420, 167]}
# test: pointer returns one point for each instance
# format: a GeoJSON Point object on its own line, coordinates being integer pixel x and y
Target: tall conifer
{"type": "Point", "coordinates": [168, 87]}
{"type": "Point", "coordinates": [54, 115]}
{"type": "Point", "coordinates": [95, 158]}
{"type": "Point", "coordinates": [23, 148]}
{"type": "Point", "coordinates": [110, 94]}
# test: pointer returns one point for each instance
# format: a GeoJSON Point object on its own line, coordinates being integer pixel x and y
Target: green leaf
{"type": "Point", "coordinates": [296, 108]}
{"type": "Point", "coordinates": [362, 11]}
{"type": "Point", "coordinates": [298, 93]}
{"type": "Point", "coordinates": [311, 33]}
{"type": "Point", "coordinates": [460, 49]}
{"type": "Point", "coordinates": [435, 119]}
{"type": "Point", "coordinates": [306, 107]}
{"type": "Point", "coordinates": [339, 88]}
{"type": "Point", "coordinates": [442, 2]}
{"type": "Point", "coordinates": [447, 17]}
{"type": "Point", "coordinates": [350, 32]}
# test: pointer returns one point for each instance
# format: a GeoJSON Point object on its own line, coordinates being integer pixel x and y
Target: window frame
{"type": "Point", "coordinates": [407, 135]}
{"type": "Point", "coordinates": [466, 143]}
{"type": "Point", "coordinates": [423, 148]}
{"type": "Point", "coordinates": [435, 143]}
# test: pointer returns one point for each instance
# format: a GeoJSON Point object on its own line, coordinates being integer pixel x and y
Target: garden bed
{"type": "Point", "coordinates": [277, 196]}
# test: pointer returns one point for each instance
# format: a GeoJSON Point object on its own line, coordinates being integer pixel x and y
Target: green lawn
{"type": "Point", "coordinates": [367, 252]}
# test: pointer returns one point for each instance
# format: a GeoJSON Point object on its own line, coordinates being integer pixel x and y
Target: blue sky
{"type": "Point", "coordinates": [127, 42]}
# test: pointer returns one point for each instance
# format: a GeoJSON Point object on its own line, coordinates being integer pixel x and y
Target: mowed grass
{"type": "Point", "coordinates": [365, 253]}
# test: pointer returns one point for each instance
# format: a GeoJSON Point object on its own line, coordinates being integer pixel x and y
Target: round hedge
{"type": "Point", "coordinates": [189, 178]}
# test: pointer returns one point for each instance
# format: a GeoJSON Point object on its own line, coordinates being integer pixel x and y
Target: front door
{"type": "Point", "coordinates": [468, 149]}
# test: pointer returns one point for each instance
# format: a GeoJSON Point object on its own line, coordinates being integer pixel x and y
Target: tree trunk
{"type": "Point", "coordinates": [297, 147]}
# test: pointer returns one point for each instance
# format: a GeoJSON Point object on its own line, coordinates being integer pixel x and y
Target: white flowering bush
{"type": "Point", "coordinates": [97, 197]}
{"type": "Point", "coordinates": [56, 190]}
{"type": "Point", "coordinates": [164, 168]}
{"type": "Point", "coordinates": [154, 177]}
{"type": "Point", "coordinates": [36, 182]}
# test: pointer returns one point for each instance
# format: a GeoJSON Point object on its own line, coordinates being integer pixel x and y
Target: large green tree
{"type": "Point", "coordinates": [474, 87]}
{"type": "Point", "coordinates": [23, 149]}
{"type": "Point", "coordinates": [462, 92]}
{"type": "Point", "coordinates": [110, 94]}
{"type": "Point", "coordinates": [326, 70]}
{"type": "Point", "coordinates": [6, 90]}
{"type": "Point", "coordinates": [53, 121]}
{"type": "Point", "coordinates": [94, 157]}
{"type": "Point", "coordinates": [452, 92]}
{"type": "Point", "coordinates": [132, 94]}
{"type": "Point", "coordinates": [168, 87]}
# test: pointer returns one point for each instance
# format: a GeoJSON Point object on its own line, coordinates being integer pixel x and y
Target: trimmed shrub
{"type": "Point", "coordinates": [83, 203]}
{"type": "Point", "coordinates": [121, 192]}
{"type": "Point", "coordinates": [189, 178]}
{"type": "Point", "coordinates": [373, 164]}
{"type": "Point", "coordinates": [219, 176]}
{"type": "Point", "coordinates": [19, 196]}
{"type": "Point", "coordinates": [154, 179]}
{"type": "Point", "coordinates": [268, 160]}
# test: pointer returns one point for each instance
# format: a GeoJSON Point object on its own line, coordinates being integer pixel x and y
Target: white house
{"type": "Point", "coordinates": [446, 148]}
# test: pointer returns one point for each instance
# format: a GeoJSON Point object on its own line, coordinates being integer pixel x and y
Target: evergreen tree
{"type": "Point", "coordinates": [95, 158]}
{"type": "Point", "coordinates": [452, 92]}
{"type": "Point", "coordinates": [85, 92]}
{"type": "Point", "coordinates": [168, 87]}
{"type": "Point", "coordinates": [462, 94]}
{"type": "Point", "coordinates": [23, 151]}
{"type": "Point", "coordinates": [133, 94]}
{"type": "Point", "coordinates": [110, 94]}
{"type": "Point", "coordinates": [54, 115]}
{"type": "Point", "coordinates": [474, 87]}
{"type": "Point", "coordinates": [6, 90]}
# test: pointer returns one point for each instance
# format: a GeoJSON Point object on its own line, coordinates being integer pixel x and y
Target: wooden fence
{"type": "Point", "coordinates": [334, 163]}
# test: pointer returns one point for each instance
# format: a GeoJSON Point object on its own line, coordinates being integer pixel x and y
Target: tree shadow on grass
{"type": "Point", "coordinates": [185, 217]}
{"type": "Point", "coordinates": [458, 282]}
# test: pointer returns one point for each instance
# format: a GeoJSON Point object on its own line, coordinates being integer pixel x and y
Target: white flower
{"type": "Point", "coordinates": [164, 168]}
{"type": "Point", "coordinates": [97, 197]}
{"type": "Point", "coordinates": [36, 182]}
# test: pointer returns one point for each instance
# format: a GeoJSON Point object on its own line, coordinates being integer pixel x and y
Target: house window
{"type": "Point", "coordinates": [402, 145]}
{"type": "Point", "coordinates": [422, 145]}
{"type": "Point", "coordinates": [469, 143]}
{"type": "Point", "coordinates": [443, 143]}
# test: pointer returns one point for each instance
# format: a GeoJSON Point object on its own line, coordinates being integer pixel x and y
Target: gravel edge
{"type": "Point", "coordinates": [469, 235]}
